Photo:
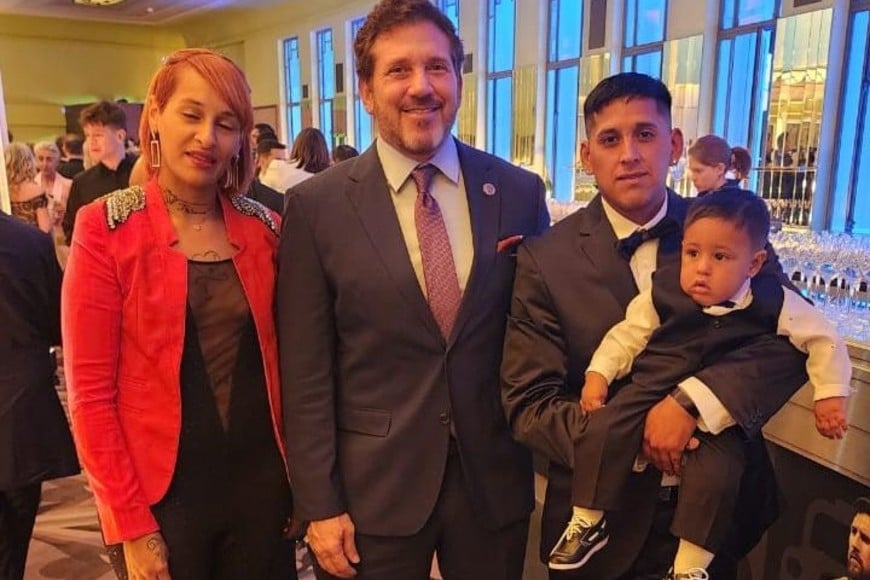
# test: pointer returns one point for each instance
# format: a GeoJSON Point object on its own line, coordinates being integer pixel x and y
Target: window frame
{"type": "Point", "coordinates": [555, 65]}
{"type": "Point", "coordinates": [291, 104]}
{"type": "Point", "coordinates": [325, 104]}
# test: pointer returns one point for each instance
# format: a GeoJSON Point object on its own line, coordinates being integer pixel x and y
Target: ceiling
{"type": "Point", "coordinates": [154, 12]}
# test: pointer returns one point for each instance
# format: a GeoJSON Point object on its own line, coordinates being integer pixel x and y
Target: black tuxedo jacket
{"type": "Point", "coordinates": [35, 440]}
{"type": "Point", "coordinates": [571, 287]}
{"type": "Point", "coordinates": [370, 386]}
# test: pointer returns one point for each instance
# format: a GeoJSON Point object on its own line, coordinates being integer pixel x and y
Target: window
{"type": "Point", "coordinates": [644, 36]}
{"type": "Point", "coordinates": [740, 105]}
{"type": "Point", "coordinates": [501, 16]}
{"type": "Point", "coordinates": [743, 12]}
{"type": "Point", "coordinates": [450, 8]}
{"type": "Point", "coordinates": [851, 179]}
{"type": "Point", "coordinates": [563, 72]}
{"type": "Point", "coordinates": [292, 88]}
{"type": "Point", "coordinates": [326, 84]}
{"type": "Point", "coordinates": [744, 70]}
{"type": "Point", "coordinates": [363, 130]}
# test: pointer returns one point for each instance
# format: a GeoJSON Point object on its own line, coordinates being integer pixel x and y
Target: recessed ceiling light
{"type": "Point", "coordinates": [97, 2]}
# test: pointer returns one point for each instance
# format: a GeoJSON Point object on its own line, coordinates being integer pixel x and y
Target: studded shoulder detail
{"type": "Point", "coordinates": [120, 204]}
{"type": "Point", "coordinates": [253, 208]}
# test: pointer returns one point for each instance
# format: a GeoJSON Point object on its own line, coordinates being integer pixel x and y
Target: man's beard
{"type": "Point", "coordinates": [856, 570]}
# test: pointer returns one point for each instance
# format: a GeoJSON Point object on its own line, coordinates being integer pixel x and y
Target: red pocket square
{"type": "Point", "coordinates": [508, 243]}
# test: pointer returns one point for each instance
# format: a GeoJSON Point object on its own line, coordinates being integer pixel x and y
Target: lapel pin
{"type": "Point", "coordinates": [488, 189]}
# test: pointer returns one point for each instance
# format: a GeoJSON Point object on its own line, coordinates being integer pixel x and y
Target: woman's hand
{"type": "Point", "coordinates": [147, 558]}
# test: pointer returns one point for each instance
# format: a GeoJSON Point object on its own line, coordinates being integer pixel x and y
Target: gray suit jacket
{"type": "Point", "coordinates": [370, 386]}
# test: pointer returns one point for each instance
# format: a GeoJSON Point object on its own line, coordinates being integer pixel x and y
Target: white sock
{"type": "Point", "coordinates": [588, 515]}
{"type": "Point", "coordinates": [691, 556]}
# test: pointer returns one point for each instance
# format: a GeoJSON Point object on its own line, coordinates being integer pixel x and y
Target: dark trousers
{"type": "Point", "coordinates": [466, 550]}
{"type": "Point", "coordinates": [18, 509]}
{"type": "Point", "coordinates": [710, 479]}
{"type": "Point", "coordinates": [229, 500]}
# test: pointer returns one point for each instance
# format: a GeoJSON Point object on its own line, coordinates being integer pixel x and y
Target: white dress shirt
{"type": "Point", "coordinates": [828, 364]}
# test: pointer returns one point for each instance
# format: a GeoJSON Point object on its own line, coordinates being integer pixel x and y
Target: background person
{"type": "Point", "coordinates": [171, 353]}
{"type": "Point", "coordinates": [27, 199]}
{"type": "Point", "coordinates": [343, 152]}
{"type": "Point", "coordinates": [55, 186]}
{"type": "Point", "coordinates": [35, 442]}
{"type": "Point", "coordinates": [710, 161]}
{"type": "Point", "coordinates": [104, 124]}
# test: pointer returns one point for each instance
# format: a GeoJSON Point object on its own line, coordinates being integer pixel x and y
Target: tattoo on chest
{"type": "Point", "coordinates": [207, 256]}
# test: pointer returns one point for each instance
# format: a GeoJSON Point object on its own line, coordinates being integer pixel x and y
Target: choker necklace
{"type": "Point", "coordinates": [189, 208]}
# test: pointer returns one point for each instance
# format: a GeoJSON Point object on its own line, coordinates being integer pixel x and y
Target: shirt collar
{"type": "Point", "coordinates": [397, 167]}
{"type": "Point", "coordinates": [741, 299]}
{"type": "Point", "coordinates": [624, 227]}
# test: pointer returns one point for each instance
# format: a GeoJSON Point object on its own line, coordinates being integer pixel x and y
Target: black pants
{"type": "Point", "coordinates": [223, 515]}
{"type": "Point", "coordinates": [18, 509]}
{"type": "Point", "coordinates": [466, 549]}
{"type": "Point", "coordinates": [711, 475]}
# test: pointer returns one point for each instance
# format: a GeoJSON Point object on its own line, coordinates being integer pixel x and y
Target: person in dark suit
{"type": "Point", "coordinates": [394, 280]}
{"type": "Point", "coordinates": [572, 285]}
{"type": "Point", "coordinates": [104, 124]}
{"type": "Point", "coordinates": [35, 440]}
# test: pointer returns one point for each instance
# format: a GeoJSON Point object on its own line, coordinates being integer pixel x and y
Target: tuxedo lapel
{"type": "Point", "coordinates": [669, 245]}
{"type": "Point", "coordinates": [597, 243]}
{"type": "Point", "coordinates": [369, 193]}
{"type": "Point", "coordinates": [485, 210]}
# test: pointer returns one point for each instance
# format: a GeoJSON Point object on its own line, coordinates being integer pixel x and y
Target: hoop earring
{"type": "Point", "coordinates": [155, 151]}
{"type": "Point", "coordinates": [232, 179]}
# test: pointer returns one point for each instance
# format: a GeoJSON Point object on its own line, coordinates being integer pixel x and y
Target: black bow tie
{"type": "Point", "coordinates": [726, 304]}
{"type": "Point", "coordinates": [628, 246]}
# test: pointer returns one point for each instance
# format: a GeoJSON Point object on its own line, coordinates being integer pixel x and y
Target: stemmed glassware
{"type": "Point", "coordinates": [833, 270]}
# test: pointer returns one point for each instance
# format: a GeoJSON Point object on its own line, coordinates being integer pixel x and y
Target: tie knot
{"type": "Point", "coordinates": [422, 176]}
{"type": "Point", "coordinates": [628, 246]}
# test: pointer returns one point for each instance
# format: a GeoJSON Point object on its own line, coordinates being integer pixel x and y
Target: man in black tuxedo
{"type": "Point", "coordinates": [572, 285]}
{"type": "Point", "coordinates": [395, 276]}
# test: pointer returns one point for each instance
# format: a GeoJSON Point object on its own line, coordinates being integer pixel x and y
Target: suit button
{"type": "Point", "coordinates": [444, 418]}
{"type": "Point", "coordinates": [717, 323]}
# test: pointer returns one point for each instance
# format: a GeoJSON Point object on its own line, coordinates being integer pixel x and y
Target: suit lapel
{"type": "Point", "coordinates": [597, 243]}
{"type": "Point", "coordinates": [670, 244]}
{"type": "Point", "coordinates": [485, 211]}
{"type": "Point", "coordinates": [369, 193]}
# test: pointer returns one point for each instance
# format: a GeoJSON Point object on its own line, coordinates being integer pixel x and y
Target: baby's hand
{"type": "Point", "coordinates": [594, 392]}
{"type": "Point", "coordinates": [831, 417]}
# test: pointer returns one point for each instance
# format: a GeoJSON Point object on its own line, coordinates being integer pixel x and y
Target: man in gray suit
{"type": "Point", "coordinates": [395, 275]}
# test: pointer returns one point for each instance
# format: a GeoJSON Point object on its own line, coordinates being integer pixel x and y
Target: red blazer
{"type": "Point", "coordinates": [123, 310]}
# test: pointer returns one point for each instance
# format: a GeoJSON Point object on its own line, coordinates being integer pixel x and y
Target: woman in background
{"type": "Point", "coordinates": [171, 351]}
{"type": "Point", "coordinates": [28, 200]}
{"type": "Point", "coordinates": [308, 156]}
{"type": "Point", "coordinates": [710, 160]}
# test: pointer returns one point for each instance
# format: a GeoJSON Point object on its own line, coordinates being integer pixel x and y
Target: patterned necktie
{"type": "Point", "coordinates": [628, 246]}
{"type": "Point", "coordinates": [439, 271]}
